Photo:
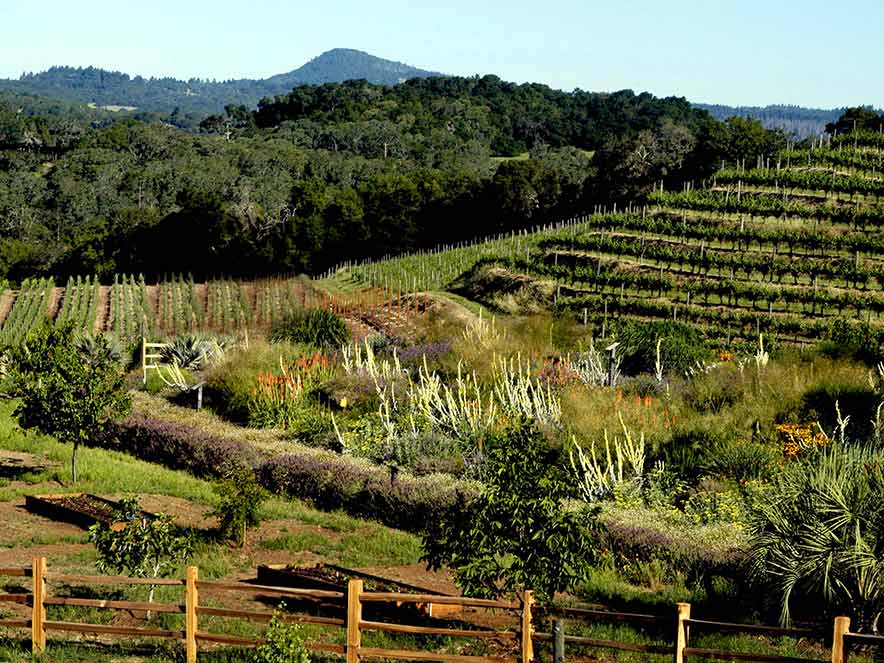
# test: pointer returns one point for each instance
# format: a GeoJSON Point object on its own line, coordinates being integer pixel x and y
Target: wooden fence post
{"type": "Point", "coordinates": [558, 631]}
{"type": "Point", "coordinates": [38, 615]}
{"type": "Point", "coordinates": [527, 627]}
{"type": "Point", "coordinates": [191, 600]}
{"type": "Point", "coordinates": [842, 627]}
{"type": "Point", "coordinates": [354, 617]}
{"type": "Point", "coordinates": [681, 631]}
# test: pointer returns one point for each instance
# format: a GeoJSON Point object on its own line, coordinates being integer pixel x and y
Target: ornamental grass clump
{"type": "Point", "coordinates": [319, 327]}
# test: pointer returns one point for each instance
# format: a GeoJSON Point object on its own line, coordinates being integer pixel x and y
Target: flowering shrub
{"type": "Point", "coordinates": [635, 536]}
{"type": "Point", "coordinates": [329, 480]}
{"type": "Point", "coordinates": [798, 438]}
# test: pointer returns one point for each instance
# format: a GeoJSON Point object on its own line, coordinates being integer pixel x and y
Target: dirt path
{"type": "Point", "coordinates": [153, 297]}
{"type": "Point", "coordinates": [55, 302]}
{"type": "Point", "coordinates": [202, 295]}
{"type": "Point", "coordinates": [102, 316]}
{"type": "Point", "coordinates": [6, 302]}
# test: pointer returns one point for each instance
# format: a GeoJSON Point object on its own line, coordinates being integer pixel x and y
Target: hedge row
{"type": "Point", "coordinates": [328, 480]}
{"type": "Point", "coordinates": [332, 481]}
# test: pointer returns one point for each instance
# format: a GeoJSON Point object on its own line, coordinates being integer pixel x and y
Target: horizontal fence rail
{"type": "Point", "coordinates": [515, 640]}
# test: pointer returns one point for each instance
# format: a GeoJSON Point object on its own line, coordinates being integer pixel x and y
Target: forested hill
{"type": "Point", "coordinates": [339, 170]}
{"type": "Point", "coordinates": [794, 120]}
{"type": "Point", "coordinates": [507, 117]}
{"type": "Point", "coordinates": [196, 98]}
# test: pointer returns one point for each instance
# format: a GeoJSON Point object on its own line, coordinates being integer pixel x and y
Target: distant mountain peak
{"type": "Point", "coordinates": [340, 64]}
{"type": "Point", "coordinates": [103, 88]}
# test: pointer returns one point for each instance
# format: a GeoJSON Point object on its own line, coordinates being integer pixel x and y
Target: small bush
{"type": "Point", "coordinates": [239, 503]}
{"type": "Point", "coordinates": [859, 402]}
{"type": "Point", "coordinates": [686, 453]}
{"type": "Point", "coordinates": [681, 348]}
{"type": "Point", "coordinates": [319, 327]}
{"type": "Point", "coordinates": [285, 642]}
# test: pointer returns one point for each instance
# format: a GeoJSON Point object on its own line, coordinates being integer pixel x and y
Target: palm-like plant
{"type": "Point", "coordinates": [818, 534]}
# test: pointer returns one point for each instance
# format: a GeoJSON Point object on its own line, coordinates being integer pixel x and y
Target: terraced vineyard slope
{"type": "Point", "coordinates": [782, 248]}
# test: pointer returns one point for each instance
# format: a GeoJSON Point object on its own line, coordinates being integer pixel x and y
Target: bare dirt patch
{"type": "Point", "coordinates": [417, 575]}
{"type": "Point", "coordinates": [102, 317]}
{"type": "Point", "coordinates": [55, 302]}
{"type": "Point", "coordinates": [6, 302]}
{"type": "Point", "coordinates": [14, 463]}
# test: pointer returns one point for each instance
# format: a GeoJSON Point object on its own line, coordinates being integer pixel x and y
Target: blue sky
{"type": "Point", "coordinates": [811, 53]}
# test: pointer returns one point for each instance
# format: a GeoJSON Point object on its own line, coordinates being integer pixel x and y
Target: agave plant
{"type": "Point", "coordinates": [92, 349]}
{"type": "Point", "coordinates": [191, 352]}
{"type": "Point", "coordinates": [817, 536]}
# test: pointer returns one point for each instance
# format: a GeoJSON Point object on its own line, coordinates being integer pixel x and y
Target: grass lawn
{"type": "Point", "coordinates": [292, 532]}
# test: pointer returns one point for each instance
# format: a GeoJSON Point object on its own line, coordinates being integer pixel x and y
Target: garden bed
{"type": "Point", "coordinates": [335, 578]}
{"type": "Point", "coordinates": [81, 509]}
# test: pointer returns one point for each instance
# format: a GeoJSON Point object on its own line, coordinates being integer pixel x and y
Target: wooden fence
{"type": "Point", "coordinates": [516, 640]}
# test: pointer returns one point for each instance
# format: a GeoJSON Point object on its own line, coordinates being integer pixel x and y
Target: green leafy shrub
{"type": "Point", "coordinates": [137, 545]}
{"type": "Point", "coordinates": [319, 327]}
{"type": "Point", "coordinates": [285, 642]}
{"type": "Point", "coordinates": [239, 503]}
{"type": "Point", "coordinates": [516, 534]}
{"type": "Point", "coordinates": [681, 348]}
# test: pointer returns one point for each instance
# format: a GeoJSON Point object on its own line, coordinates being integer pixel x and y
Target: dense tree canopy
{"type": "Point", "coordinates": [334, 171]}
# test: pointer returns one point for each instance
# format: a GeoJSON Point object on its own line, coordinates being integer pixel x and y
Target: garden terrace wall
{"type": "Point", "coordinates": [328, 480]}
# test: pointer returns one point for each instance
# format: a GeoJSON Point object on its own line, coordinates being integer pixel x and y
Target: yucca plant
{"type": "Point", "coordinates": [817, 536]}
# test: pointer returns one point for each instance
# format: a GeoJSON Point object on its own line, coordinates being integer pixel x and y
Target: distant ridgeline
{"type": "Point", "coordinates": [794, 120]}
{"type": "Point", "coordinates": [194, 99]}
